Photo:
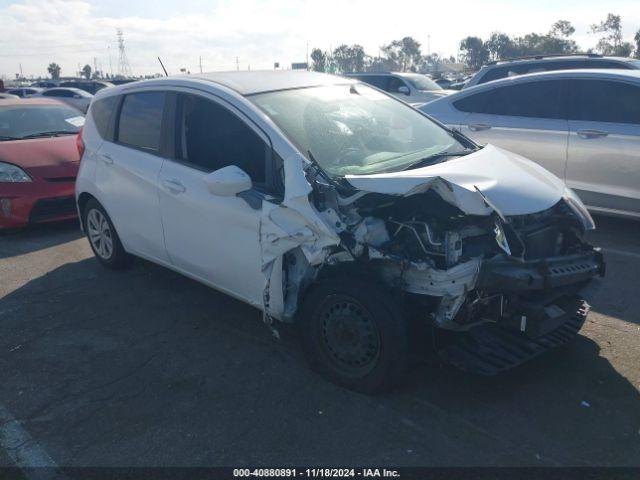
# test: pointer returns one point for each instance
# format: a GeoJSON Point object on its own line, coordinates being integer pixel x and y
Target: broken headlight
{"type": "Point", "coordinates": [578, 208]}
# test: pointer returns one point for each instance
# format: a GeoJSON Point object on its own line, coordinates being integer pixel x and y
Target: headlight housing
{"type": "Point", "coordinates": [11, 174]}
{"type": "Point", "coordinates": [579, 209]}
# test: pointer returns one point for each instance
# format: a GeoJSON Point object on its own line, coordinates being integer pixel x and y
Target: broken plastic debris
{"type": "Point", "coordinates": [584, 403]}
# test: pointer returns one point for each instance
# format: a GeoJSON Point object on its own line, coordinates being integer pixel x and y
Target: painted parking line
{"type": "Point", "coordinates": [24, 451]}
{"type": "Point", "coordinates": [623, 253]}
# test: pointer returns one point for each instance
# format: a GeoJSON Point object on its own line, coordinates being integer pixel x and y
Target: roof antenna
{"type": "Point", "coordinates": [162, 65]}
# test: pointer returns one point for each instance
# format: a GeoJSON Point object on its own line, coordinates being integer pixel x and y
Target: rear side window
{"type": "Point", "coordinates": [102, 114]}
{"type": "Point", "coordinates": [141, 120]}
{"type": "Point", "coordinates": [58, 93]}
{"type": "Point", "coordinates": [211, 137]}
{"type": "Point", "coordinates": [604, 101]}
{"type": "Point", "coordinates": [473, 103]}
{"type": "Point", "coordinates": [496, 74]}
{"type": "Point", "coordinates": [379, 81]}
{"type": "Point", "coordinates": [531, 99]}
{"type": "Point", "coordinates": [394, 84]}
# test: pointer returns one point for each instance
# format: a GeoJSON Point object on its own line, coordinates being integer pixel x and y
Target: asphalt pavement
{"type": "Point", "coordinates": [147, 368]}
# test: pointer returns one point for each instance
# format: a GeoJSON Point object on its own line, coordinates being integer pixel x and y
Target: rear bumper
{"type": "Point", "coordinates": [36, 202]}
{"type": "Point", "coordinates": [511, 276]}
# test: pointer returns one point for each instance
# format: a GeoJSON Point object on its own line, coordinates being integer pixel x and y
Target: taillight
{"type": "Point", "coordinates": [80, 143]}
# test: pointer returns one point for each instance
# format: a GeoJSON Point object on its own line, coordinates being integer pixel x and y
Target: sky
{"type": "Point", "coordinates": [254, 34]}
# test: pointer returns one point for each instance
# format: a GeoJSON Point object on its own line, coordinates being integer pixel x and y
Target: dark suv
{"type": "Point", "coordinates": [519, 66]}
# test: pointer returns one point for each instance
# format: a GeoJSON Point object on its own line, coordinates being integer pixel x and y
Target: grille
{"type": "Point", "coordinates": [48, 208]}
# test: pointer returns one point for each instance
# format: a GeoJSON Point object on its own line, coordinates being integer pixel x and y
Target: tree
{"type": "Point", "coordinates": [474, 52]}
{"type": "Point", "coordinates": [500, 46]}
{"type": "Point", "coordinates": [349, 58]}
{"type": "Point", "coordinates": [637, 39]}
{"type": "Point", "coordinates": [54, 70]}
{"type": "Point", "coordinates": [611, 43]}
{"type": "Point", "coordinates": [86, 71]}
{"type": "Point", "coordinates": [319, 59]}
{"type": "Point", "coordinates": [562, 28]}
{"type": "Point", "coordinates": [536, 44]}
{"type": "Point", "coordinates": [403, 54]}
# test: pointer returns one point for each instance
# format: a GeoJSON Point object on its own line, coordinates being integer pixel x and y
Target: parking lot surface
{"type": "Point", "coordinates": [146, 367]}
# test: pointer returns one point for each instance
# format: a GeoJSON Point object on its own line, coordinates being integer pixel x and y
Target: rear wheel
{"type": "Point", "coordinates": [354, 334]}
{"type": "Point", "coordinates": [103, 237]}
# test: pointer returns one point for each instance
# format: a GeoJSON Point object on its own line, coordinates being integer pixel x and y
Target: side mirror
{"type": "Point", "coordinates": [228, 181]}
{"type": "Point", "coordinates": [404, 89]}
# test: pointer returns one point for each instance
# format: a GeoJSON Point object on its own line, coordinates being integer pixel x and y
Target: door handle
{"type": "Point", "coordinates": [106, 158]}
{"type": "Point", "coordinates": [591, 134]}
{"type": "Point", "coordinates": [478, 127]}
{"type": "Point", "coordinates": [174, 186]}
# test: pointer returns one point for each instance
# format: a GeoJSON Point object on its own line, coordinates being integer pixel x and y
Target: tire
{"type": "Point", "coordinates": [103, 238]}
{"type": "Point", "coordinates": [354, 334]}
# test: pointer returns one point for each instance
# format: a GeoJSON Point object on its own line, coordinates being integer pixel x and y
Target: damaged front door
{"type": "Point", "coordinates": [213, 234]}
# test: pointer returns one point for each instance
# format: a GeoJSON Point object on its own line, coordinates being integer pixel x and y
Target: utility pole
{"type": "Point", "coordinates": [200, 63]}
{"type": "Point", "coordinates": [307, 55]}
{"type": "Point", "coordinates": [110, 64]}
{"type": "Point", "coordinates": [429, 45]}
{"type": "Point", "coordinates": [21, 75]}
{"type": "Point", "coordinates": [237, 64]}
{"type": "Point", "coordinates": [95, 66]}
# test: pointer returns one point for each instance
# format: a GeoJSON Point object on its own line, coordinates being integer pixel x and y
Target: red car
{"type": "Point", "coordinates": [39, 161]}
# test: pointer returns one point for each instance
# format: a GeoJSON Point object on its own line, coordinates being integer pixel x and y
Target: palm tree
{"type": "Point", "coordinates": [54, 70]}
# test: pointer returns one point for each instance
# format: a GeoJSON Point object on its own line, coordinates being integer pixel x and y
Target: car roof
{"type": "Point", "coordinates": [577, 73]}
{"type": "Point", "coordinates": [31, 101]}
{"type": "Point", "coordinates": [559, 58]}
{"type": "Point", "coordinates": [374, 74]}
{"type": "Point", "coordinates": [252, 82]}
{"type": "Point", "coordinates": [71, 89]}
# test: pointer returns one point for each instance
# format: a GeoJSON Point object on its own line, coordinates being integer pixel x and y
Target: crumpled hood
{"type": "Point", "coordinates": [513, 184]}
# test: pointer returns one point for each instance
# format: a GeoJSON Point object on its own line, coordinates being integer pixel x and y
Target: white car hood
{"type": "Point", "coordinates": [511, 183]}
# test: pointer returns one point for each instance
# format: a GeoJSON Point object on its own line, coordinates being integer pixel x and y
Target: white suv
{"type": "Point", "coordinates": [323, 201]}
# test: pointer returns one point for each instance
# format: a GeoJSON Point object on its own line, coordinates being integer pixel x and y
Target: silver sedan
{"type": "Point", "coordinates": [582, 125]}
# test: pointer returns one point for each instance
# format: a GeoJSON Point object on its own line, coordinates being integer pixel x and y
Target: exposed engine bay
{"type": "Point", "coordinates": [467, 269]}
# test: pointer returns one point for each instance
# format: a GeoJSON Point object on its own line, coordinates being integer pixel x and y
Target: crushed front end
{"type": "Point", "coordinates": [510, 287]}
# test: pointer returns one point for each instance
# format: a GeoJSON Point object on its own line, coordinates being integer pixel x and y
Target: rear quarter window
{"type": "Point", "coordinates": [102, 113]}
{"type": "Point", "coordinates": [140, 120]}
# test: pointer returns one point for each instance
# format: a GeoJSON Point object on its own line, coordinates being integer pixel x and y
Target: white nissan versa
{"type": "Point", "coordinates": [325, 202]}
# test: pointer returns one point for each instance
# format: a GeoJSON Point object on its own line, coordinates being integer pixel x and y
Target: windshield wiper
{"type": "Point", "coordinates": [431, 159]}
{"type": "Point", "coordinates": [53, 133]}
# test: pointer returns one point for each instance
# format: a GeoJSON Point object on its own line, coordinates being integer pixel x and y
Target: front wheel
{"type": "Point", "coordinates": [354, 334]}
{"type": "Point", "coordinates": [103, 237]}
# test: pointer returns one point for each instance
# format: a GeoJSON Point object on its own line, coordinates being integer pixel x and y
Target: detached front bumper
{"type": "Point", "coordinates": [512, 276]}
{"type": "Point", "coordinates": [538, 305]}
{"type": "Point", "coordinates": [491, 348]}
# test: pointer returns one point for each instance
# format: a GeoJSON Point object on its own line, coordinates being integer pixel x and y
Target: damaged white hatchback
{"type": "Point", "coordinates": [325, 202]}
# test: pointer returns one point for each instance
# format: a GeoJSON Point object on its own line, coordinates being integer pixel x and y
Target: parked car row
{"type": "Point", "coordinates": [325, 202]}
{"type": "Point", "coordinates": [89, 86]}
